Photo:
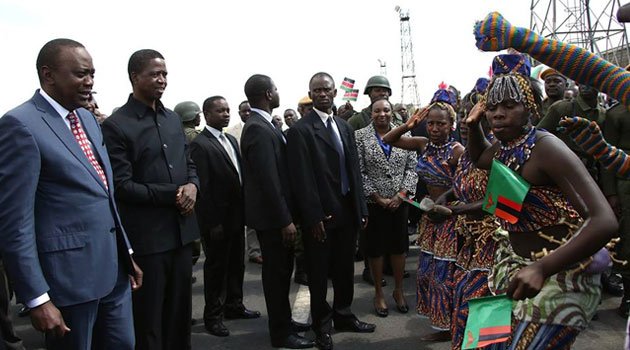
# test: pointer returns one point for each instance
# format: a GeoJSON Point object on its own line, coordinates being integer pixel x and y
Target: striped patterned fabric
{"type": "Point", "coordinates": [495, 33]}
{"type": "Point", "coordinates": [588, 136]}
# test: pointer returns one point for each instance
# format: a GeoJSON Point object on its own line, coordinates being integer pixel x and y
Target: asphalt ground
{"type": "Point", "coordinates": [397, 331]}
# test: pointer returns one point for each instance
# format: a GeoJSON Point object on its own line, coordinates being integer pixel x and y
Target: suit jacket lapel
{"type": "Point", "coordinates": [217, 145]}
{"type": "Point", "coordinates": [320, 130]}
{"type": "Point", "coordinates": [59, 128]}
{"type": "Point", "coordinates": [99, 151]}
{"type": "Point", "coordinates": [269, 125]}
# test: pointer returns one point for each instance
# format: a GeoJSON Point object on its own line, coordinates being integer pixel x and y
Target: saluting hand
{"type": "Point", "coordinates": [475, 114]}
{"type": "Point", "coordinates": [417, 117]}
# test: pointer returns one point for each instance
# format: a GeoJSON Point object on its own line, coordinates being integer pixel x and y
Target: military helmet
{"type": "Point", "coordinates": [377, 81]}
{"type": "Point", "coordinates": [187, 110]}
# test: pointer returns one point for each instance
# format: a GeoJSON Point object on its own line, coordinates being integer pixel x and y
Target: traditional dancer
{"type": "Point", "coordinates": [564, 219]}
{"type": "Point", "coordinates": [478, 231]}
{"type": "Point", "coordinates": [438, 239]}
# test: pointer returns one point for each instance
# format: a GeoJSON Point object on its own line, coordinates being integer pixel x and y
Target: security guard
{"type": "Point", "coordinates": [191, 118]}
{"type": "Point", "coordinates": [377, 87]}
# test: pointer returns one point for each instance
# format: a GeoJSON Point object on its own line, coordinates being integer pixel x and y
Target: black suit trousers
{"type": "Point", "coordinates": [335, 258]}
{"type": "Point", "coordinates": [276, 278]}
{"type": "Point", "coordinates": [162, 308]}
{"type": "Point", "coordinates": [223, 273]}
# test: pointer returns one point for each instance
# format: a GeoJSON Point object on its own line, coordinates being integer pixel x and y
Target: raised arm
{"type": "Point", "coordinates": [495, 33]}
{"type": "Point", "coordinates": [588, 136]}
{"type": "Point", "coordinates": [413, 143]}
{"type": "Point", "coordinates": [477, 145]}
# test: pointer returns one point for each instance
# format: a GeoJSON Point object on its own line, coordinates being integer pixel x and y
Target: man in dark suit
{"type": "Point", "coordinates": [324, 168]}
{"type": "Point", "coordinates": [156, 188]}
{"type": "Point", "coordinates": [220, 210]}
{"type": "Point", "coordinates": [268, 207]}
{"type": "Point", "coordinates": [61, 239]}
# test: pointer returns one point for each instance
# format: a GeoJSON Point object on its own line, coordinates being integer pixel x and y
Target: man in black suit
{"type": "Point", "coordinates": [267, 207]}
{"type": "Point", "coordinates": [221, 219]}
{"type": "Point", "coordinates": [324, 169]}
{"type": "Point", "coordinates": [156, 188]}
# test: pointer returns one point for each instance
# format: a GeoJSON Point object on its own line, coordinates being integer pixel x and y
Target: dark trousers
{"type": "Point", "coordinates": [223, 273]}
{"type": "Point", "coordinates": [276, 277]}
{"type": "Point", "coordinates": [334, 256]}
{"type": "Point", "coordinates": [106, 323]}
{"type": "Point", "coordinates": [162, 308]}
{"type": "Point", "coordinates": [7, 332]}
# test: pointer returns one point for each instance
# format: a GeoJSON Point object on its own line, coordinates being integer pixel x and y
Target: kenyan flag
{"type": "Point", "coordinates": [351, 95]}
{"type": "Point", "coordinates": [488, 321]}
{"type": "Point", "coordinates": [505, 193]}
{"type": "Point", "coordinates": [347, 84]}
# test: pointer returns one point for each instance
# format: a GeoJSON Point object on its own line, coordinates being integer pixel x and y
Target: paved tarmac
{"type": "Point", "coordinates": [397, 331]}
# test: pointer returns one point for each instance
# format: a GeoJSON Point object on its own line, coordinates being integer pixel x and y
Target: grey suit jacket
{"type": "Point", "coordinates": [381, 175]}
{"type": "Point", "coordinates": [59, 227]}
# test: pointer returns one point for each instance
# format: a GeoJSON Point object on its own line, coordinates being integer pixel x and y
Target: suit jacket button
{"type": "Point", "coordinates": [165, 146]}
{"type": "Point", "coordinates": [112, 230]}
{"type": "Point", "coordinates": [170, 166]}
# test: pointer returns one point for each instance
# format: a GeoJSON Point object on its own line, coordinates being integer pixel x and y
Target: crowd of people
{"type": "Point", "coordinates": [102, 218]}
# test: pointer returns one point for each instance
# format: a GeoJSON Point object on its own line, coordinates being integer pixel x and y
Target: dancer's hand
{"type": "Point", "coordinates": [527, 282]}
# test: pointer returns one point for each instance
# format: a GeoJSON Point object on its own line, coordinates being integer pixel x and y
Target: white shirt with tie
{"type": "Point", "coordinates": [229, 148]}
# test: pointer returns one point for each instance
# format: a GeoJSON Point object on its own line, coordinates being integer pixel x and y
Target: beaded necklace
{"type": "Point", "coordinates": [516, 152]}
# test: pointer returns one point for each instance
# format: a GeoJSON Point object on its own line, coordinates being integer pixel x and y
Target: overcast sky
{"type": "Point", "coordinates": [212, 47]}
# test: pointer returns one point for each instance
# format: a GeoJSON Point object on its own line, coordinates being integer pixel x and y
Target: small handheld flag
{"type": "Point", "coordinates": [351, 95]}
{"type": "Point", "coordinates": [409, 200]}
{"type": "Point", "coordinates": [505, 193]}
{"type": "Point", "coordinates": [347, 84]}
{"type": "Point", "coordinates": [488, 321]}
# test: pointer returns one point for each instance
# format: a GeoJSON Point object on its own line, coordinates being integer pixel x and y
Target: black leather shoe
{"type": "Point", "coordinates": [217, 328]}
{"type": "Point", "coordinates": [612, 285]}
{"type": "Point", "coordinates": [241, 314]}
{"type": "Point", "coordinates": [354, 325]}
{"type": "Point", "coordinates": [297, 327]}
{"type": "Point", "coordinates": [294, 342]}
{"type": "Point", "coordinates": [301, 278]}
{"type": "Point", "coordinates": [324, 341]}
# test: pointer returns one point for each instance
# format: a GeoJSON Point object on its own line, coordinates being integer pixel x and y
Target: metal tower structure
{"type": "Point", "coordinates": [591, 25]}
{"type": "Point", "coordinates": [409, 91]}
{"type": "Point", "coordinates": [383, 65]}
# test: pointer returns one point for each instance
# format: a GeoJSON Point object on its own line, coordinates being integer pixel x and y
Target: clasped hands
{"type": "Point", "coordinates": [185, 199]}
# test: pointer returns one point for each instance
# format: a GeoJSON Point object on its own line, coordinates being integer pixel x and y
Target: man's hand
{"type": "Point", "coordinates": [136, 281]}
{"type": "Point", "coordinates": [318, 231]}
{"type": "Point", "coordinates": [185, 198]}
{"type": "Point", "coordinates": [527, 282]}
{"type": "Point", "coordinates": [47, 318]}
{"type": "Point", "coordinates": [216, 233]}
{"type": "Point", "coordinates": [288, 235]}
{"type": "Point", "coordinates": [383, 202]}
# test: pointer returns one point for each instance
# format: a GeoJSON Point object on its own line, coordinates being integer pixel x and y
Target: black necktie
{"type": "Point", "coordinates": [345, 187]}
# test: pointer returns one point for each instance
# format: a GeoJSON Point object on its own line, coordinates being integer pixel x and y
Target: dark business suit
{"type": "Point", "coordinates": [220, 202]}
{"type": "Point", "coordinates": [267, 210]}
{"type": "Point", "coordinates": [59, 227]}
{"type": "Point", "coordinates": [150, 161]}
{"type": "Point", "coordinates": [316, 178]}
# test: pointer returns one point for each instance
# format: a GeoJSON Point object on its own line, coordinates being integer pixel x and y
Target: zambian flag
{"type": "Point", "coordinates": [347, 84]}
{"type": "Point", "coordinates": [505, 193]}
{"type": "Point", "coordinates": [489, 320]}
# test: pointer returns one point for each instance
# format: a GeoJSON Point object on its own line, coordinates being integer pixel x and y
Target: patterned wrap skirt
{"type": "Point", "coordinates": [474, 261]}
{"type": "Point", "coordinates": [566, 303]}
{"type": "Point", "coordinates": [436, 266]}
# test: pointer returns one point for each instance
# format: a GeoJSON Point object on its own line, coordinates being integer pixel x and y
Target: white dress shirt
{"type": "Point", "coordinates": [324, 117]}
{"type": "Point", "coordinates": [228, 148]}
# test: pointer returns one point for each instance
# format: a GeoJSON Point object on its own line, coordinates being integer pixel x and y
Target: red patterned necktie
{"type": "Point", "coordinates": [86, 147]}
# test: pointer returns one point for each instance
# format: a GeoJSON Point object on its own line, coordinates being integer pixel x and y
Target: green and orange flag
{"type": "Point", "coordinates": [505, 192]}
{"type": "Point", "coordinates": [489, 320]}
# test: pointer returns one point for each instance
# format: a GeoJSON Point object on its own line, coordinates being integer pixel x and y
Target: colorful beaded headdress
{"type": "Point", "coordinates": [445, 99]}
{"type": "Point", "coordinates": [510, 81]}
